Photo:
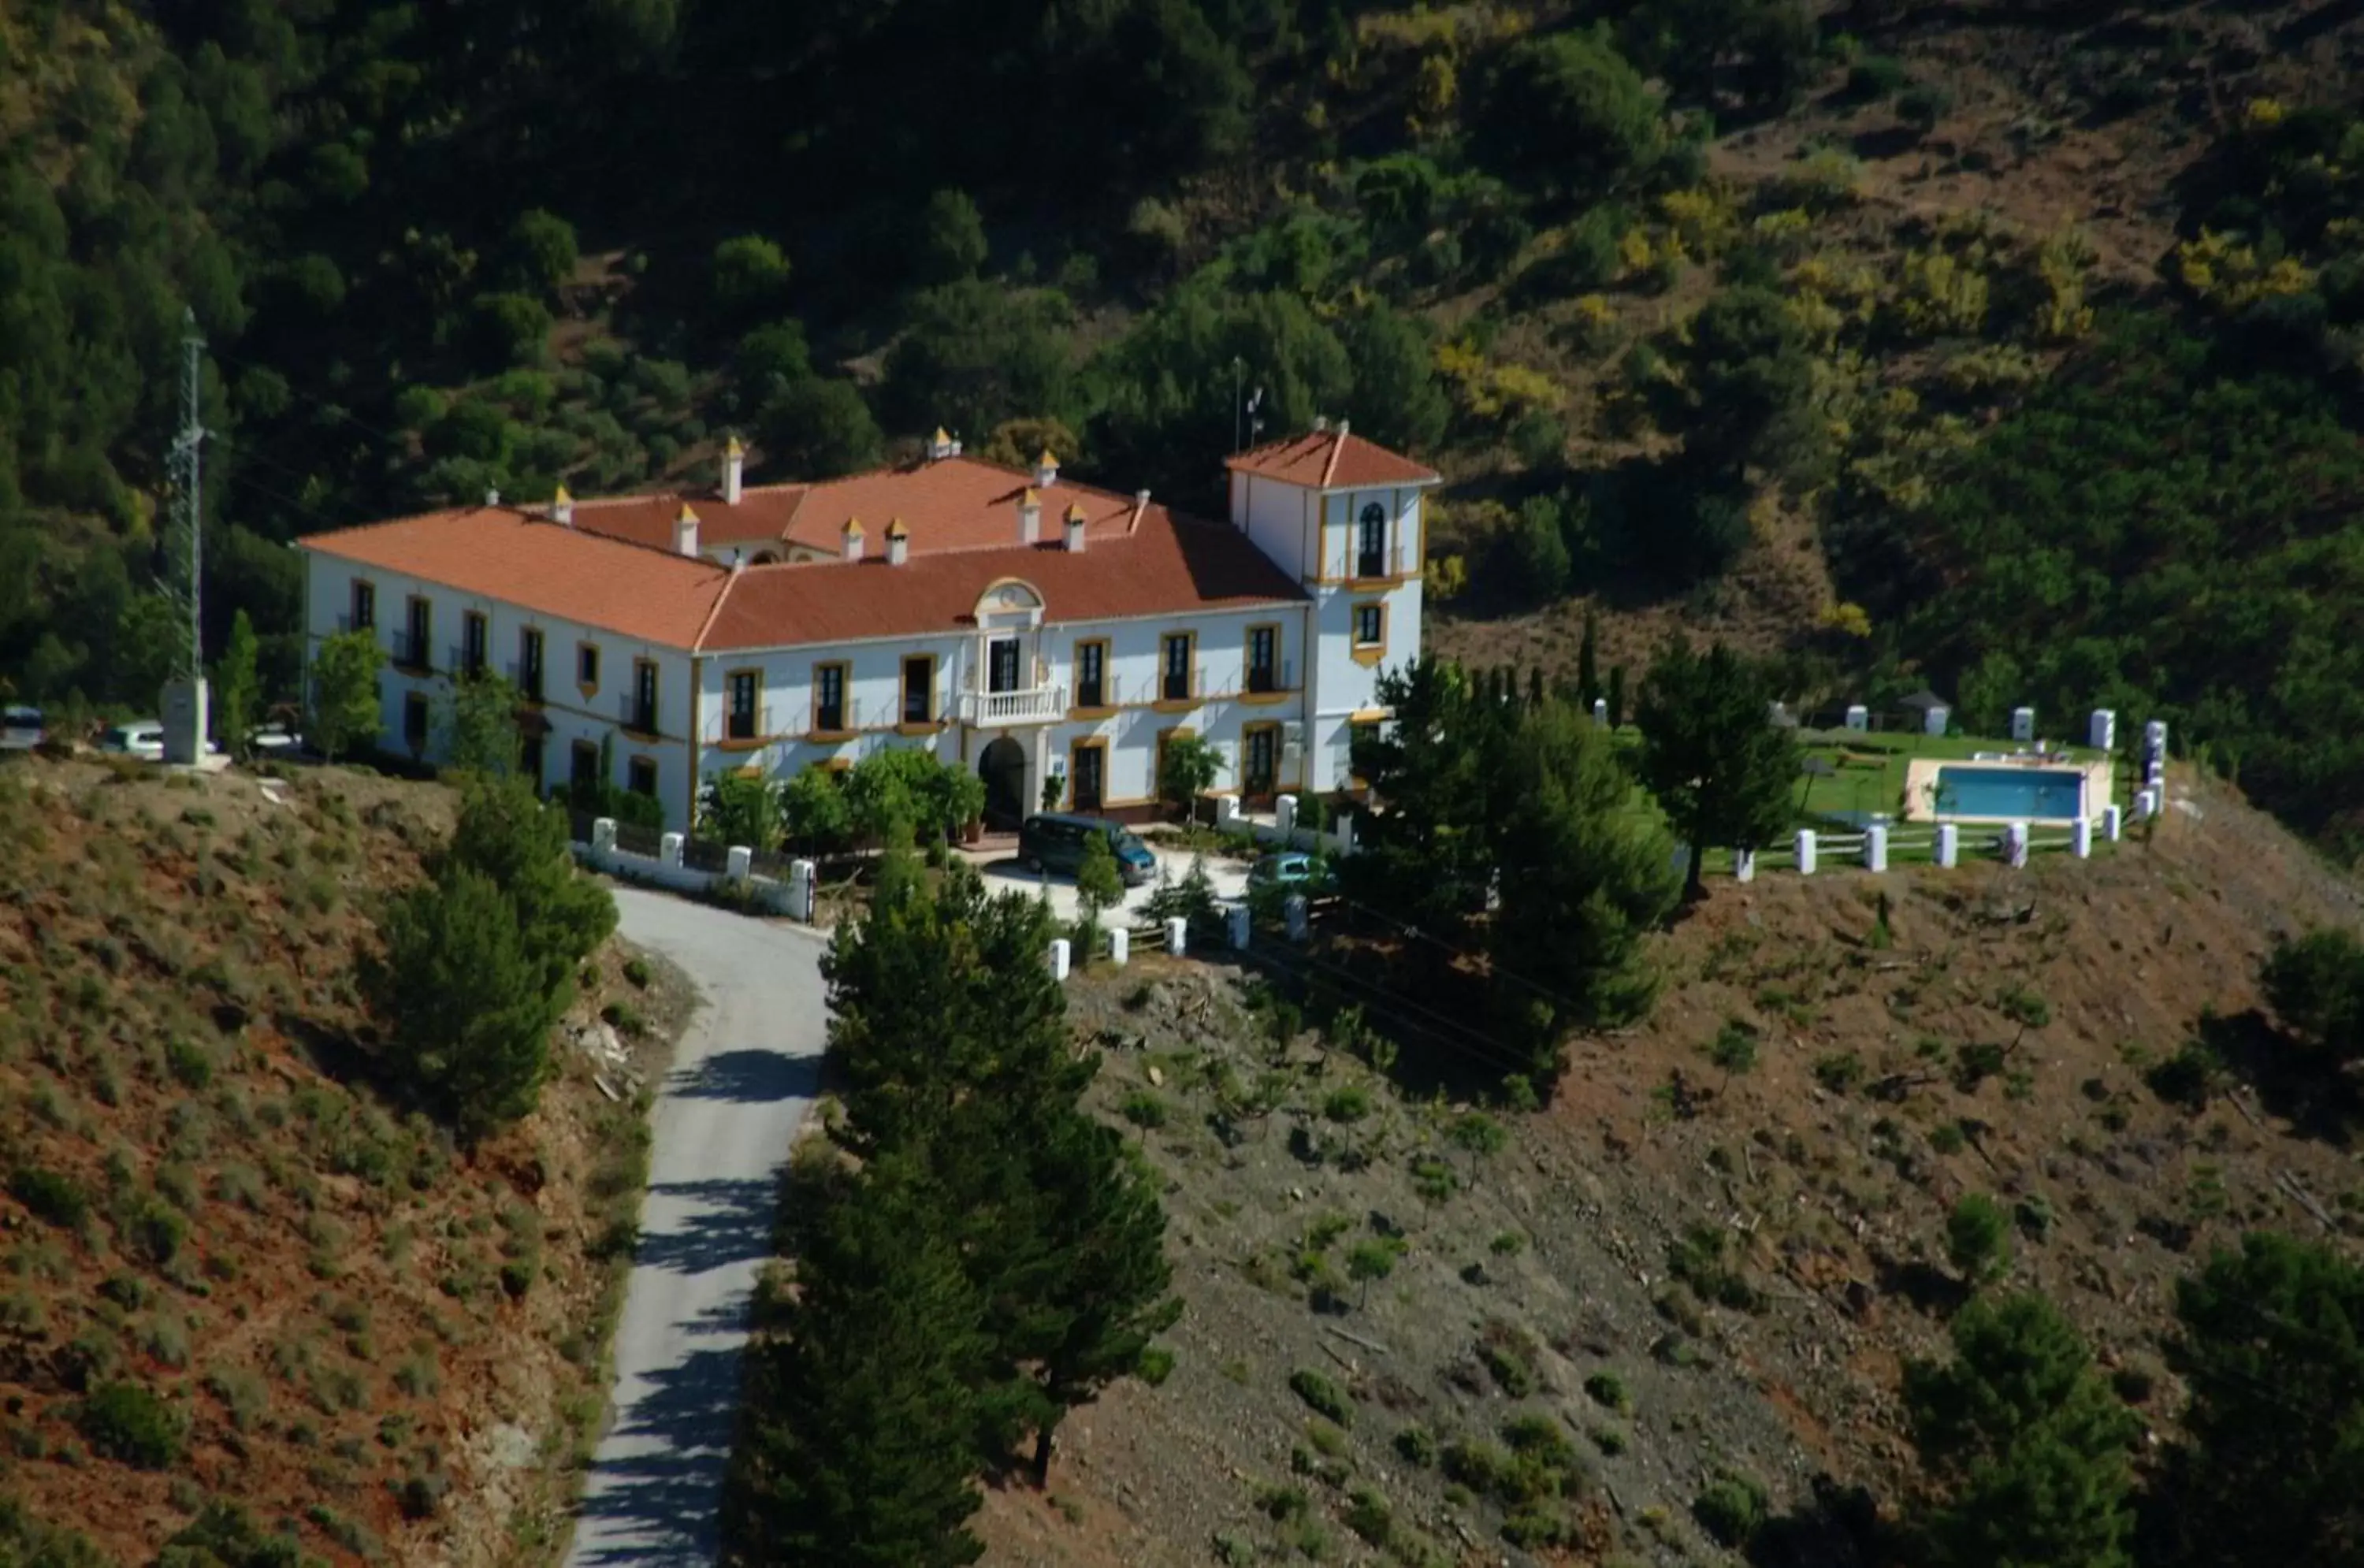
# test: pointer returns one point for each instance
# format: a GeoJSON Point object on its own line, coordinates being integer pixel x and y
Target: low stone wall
{"type": "Point", "coordinates": [737, 880]}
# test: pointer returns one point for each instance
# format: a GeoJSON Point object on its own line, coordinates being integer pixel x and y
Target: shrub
{"type": "Point", "coordinates": [1144, 1108]}
{"type": "Point", "coordinates": [1368, 1515]}
{"type": "Point", "coordinates": [1350, 1103]}
{"type": "Point", "coordinates": [1608, 1391]}
{"type": "Point", "coordinates": [1839, 1071]}
{"type": "Point", "coordinates": [637, 972]}
{"type": "Point", "coordinates": [126, 1422]}
{"type": "Point", "coordinates": [51, 1197]}
{"type": "Point", "coordinates": [1978, 1238]}
{"type": "Point", "coordinates": [1514, 1373]}
{"type": "Point", "coordinates": [1155, 1365]}
{"type": "Point", "coordinates": [1323, 1396]}
{"type": "Point", "coordinates": [1732, 1509]}
{"type": "Point", "coordinates": [1416, 1446]}
{"type": "Point", "coordinates": [188, 1063]}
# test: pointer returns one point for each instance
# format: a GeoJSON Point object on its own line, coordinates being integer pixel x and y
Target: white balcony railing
{"type": "Point", "coordinates": [1030, 705]}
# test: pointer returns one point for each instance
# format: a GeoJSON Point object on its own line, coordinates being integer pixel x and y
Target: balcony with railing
{"type": "Point", "coordinates": [740, 726]}
{"type": "Point", "coordinates": [1027, 705]}
{"type": "Point", "coordinates": [637, 714]}
{"type": "Point", "coordinates": [526, 676]}
{"type": "Point", "coordinates": [1358, 565]}
{"type": "Point", "coordinates": [411, 652]}
{"type": "Point", "coordinates": [462, 660]}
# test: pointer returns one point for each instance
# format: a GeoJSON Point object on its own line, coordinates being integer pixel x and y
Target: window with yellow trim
{"type": "Point", "coordinates": [1264, 659]}
{"type": "Point", "coordinates": [1370, 625]}
{"type": "Point", "coordinates": [829, 710]}
{"type": "Point", "coordinates": [1092, 674]}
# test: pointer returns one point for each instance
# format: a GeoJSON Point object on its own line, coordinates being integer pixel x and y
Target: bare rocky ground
{"type": "Point", "coordinates": [1752, 1263]}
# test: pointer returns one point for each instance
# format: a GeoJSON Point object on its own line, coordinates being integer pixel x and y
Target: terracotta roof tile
{"type": "Point", "coordinates": [1168, 566]}
{"type": "Point", "coordinates": [1325, 460]}
{"type": "Point", "coordinates": [502, 553]}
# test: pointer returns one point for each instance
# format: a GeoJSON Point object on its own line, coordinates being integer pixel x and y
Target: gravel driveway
{"type": "Point", "coordinates": [745, 1075]}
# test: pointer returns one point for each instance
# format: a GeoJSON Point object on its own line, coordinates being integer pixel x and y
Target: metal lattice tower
{"type": "Point", "coordinates": [188, 507]}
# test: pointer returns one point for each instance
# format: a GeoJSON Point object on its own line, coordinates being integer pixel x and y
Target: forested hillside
{"type": "Point", "coordinates": [2007, 348]}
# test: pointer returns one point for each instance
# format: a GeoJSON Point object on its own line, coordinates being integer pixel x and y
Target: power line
{"type": "Point", "coordinates": [1492, 966]}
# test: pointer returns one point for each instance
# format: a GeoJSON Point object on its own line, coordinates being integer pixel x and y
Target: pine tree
{"type": "Point", "coordinates": [1099, 886]}
{"type": "Point", "coordinates": [860, 1419]}
{"type": "Point", "coordinates": [344, 692]}
{"type": "Point", "coordinates": [1616, 697]}
{"type": "Point", "coordinates": [1710, 753]}
{"type": "Point", "coordinates": [518, 842]}
{"type": "Point", "coordinates": [237, 687]}
{"type": "Point", "coordinates": [2024, 1443]}
{"type": "Point", "coordinates": [480, 725]}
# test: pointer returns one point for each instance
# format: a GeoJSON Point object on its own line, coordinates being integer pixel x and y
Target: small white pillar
{"type": "Point", "coordinates": [1284, 816]}
{"type": "Point", "coordinates": [2102, 732]}
{"type": "Point", "coordinates": [1600, 712]}
{"type": "Point", "coordinates": [802, 876]}
{"type": "Point", "coordinates": [1934, 722]}
{"type": "Point", "coordinates": [2145, 804]}
{"type": "Point", "coordinates": [1227, 810]}
{"type": "Point", "coordinates": [1237, 915]}
{"type": "Point", "coordinates": [1119, 946]}
{"type": "Point", "coordinates": [1744, 866]}
{"type": "Point", "coordinates": [2113, 823]}
{"type": "Point", "coordinates": [2155, 777]}
{"type": "Point", "coordinates": [1177, 935]}
{"type": "Point", "coordinates": [1342, 833]}
{"type": "Point", "coordinates": [1874, 847]}
{"type": "Point", "coordinates": [1805, 851]}
{"type": "Point", "coordinates": [1859, 717]}
{"type": "Point", "coordinates": [1949, 845]}
{"type": "Point", "coordinates": [1062, 956]}
{"type": "Point", "coordinates": [2014, 844]}
{"type": "Point", "coordinates": [1292, 910]}
{"type": "Point", "coordinates": [603, 835]}
{"type": "Point", "coordinates": [669, 849]}
{"type": "Point", "coordinates": [2080, 838]}
{"type": "Point", "coordinates": [2154, 738]}
{"type": "Point", "coordinates": [2023, 724]}
{"type": "Point", "coordinates": [740, 863]}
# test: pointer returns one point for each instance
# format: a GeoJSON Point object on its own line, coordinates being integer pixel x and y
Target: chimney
{"type": "Point", "coordinates": [941, 446]}
{"type": "Point", "coordinates": [1321, 424]}
{"type": "Point", "coordinates": [898, 543]}
{"type": "Point", "coordinates": [493, 495]}
{"type": "Point", "coordinates": [1074, 528]}
{"type": "Point", "coordinates": [734, 472]}
{"type": "Point", "coordinates": [1342, 429]}
{"type": "Point", "coordinates": [562, 507]}
{"type": "Point", "coordinates": [1029, 518]}
{"type": "Point", "coordinates": [1141, 500]}
{"type": "Point", "coordinates": [684, 531]}
{"type": "Point", "coordinates": [1046, 470]}
{"type": "Point", "coordinates": [853, 535]}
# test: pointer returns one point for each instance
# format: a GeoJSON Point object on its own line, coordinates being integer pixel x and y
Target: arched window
{"type": "Point", "coordinates": [1371, 542]}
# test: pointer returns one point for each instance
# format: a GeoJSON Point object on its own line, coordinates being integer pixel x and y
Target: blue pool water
{"type": "Point", "coordinates": [2014, 793]}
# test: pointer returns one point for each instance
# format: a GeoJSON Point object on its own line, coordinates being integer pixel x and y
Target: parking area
{"type": "Point", "coordinates": [1003, 874]}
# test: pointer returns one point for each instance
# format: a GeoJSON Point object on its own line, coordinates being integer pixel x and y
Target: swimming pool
{"type": "Point", "coordinates": [2019, 794]}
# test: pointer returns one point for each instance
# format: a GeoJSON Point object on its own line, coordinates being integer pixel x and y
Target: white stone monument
{"type": "Point", "coordinates": [2023, 724]}
{"type": "Point", "coordinates": [1859, 717]}
{"type": "Point", "coordinates": [2102, 732]}
{"type": "Point", "coordinates": [1934, 722]}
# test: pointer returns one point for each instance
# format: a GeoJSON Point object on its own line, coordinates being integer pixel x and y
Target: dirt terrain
{"type": "Point", "coordinates": [386, 1345]}
{"type": "Point", "coordinates": [1750, 1262]}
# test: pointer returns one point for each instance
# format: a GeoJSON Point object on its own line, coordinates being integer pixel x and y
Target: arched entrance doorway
{"type": "Point", "coordinates": [1003, 769]}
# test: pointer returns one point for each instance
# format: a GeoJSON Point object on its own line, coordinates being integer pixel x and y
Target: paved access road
{"type": "Point", "coordinates": [744, 1076]}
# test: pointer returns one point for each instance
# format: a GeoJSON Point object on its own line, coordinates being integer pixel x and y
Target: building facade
{"type": "Point", "coordinates": [1011, 622]}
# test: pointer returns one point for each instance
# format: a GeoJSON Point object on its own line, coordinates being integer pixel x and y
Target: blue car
{"type": "Point", "coordinates": [1295, 870]}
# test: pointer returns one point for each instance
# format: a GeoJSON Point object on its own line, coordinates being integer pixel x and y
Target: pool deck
{"type": "Point", "coordinates": [1921, 786]}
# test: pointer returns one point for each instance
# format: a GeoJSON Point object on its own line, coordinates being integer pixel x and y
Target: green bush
{"type": "Point", "coordinates": [1350, 1103]}
{"type": "Point", "coordinates": [124, 1421]}
{"type": "Point", "coordinates": [1416, 1446]}
{"type": "Point", "coordinates": [1144, 1108]}
{"type": "Point", "coordinates": [1323, 1396]}
{"type": "Point", "coordinates": [1608, 1390]}
{"type": "Point", "coordinates": [49, 1195]}
{"type": "Point", "coordinates": [1732, 1509]}
{"type": "Point", "coordinates": [1978, 1238]}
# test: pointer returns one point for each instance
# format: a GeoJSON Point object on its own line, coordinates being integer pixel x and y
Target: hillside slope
{"type": "Point", "coordinates": [1749, 1262]}
{"type": "Point", "coordinates": [323, 1311]}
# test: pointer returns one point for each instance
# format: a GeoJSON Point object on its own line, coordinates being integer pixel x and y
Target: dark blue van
{"type": "Point", "coordinates": [1053, 841]}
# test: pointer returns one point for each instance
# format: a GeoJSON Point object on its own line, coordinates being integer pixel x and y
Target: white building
{"type": "Point", "coordinates": [1017, 623]}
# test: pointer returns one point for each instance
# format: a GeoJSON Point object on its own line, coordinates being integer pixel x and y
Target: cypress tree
{"type": "Point", "coordinates": [860, 1419]}
{"type": "Point", "coordinates": [1616, 697]}
{"type": "Point", "coordinates": [1588, 663]}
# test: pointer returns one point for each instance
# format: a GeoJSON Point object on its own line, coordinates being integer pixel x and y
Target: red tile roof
{"type": "Point", "coordinates": [1331, 459]}
{"type": "Point", "coordinates": [1168, 566]}
{"type": "Point", "coordinates": [503, 553]}
{"type": "Point", "coordinates": [1158, 565]}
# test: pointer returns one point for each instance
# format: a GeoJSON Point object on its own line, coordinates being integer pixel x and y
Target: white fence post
{"type": "Point", "coordinates": [1177, 935]}
{"type": "Point", "coordinates": [1292, 911]}
{"type": "Point", "coordinates": [2102, 732]}
{"type": "Point", "coordinates": [1949, 845]}
{"type": "Point", "coordinates": [1284, 816]}
{"type": "Point", "coordinates": [1805, 851]}
{"type": "Point", "coordinates": [740, 863]}
{"type": "Point", "coordinates": [802, 875]}
{"type": "Point", "coordinates": [1744, 866]}
{"type": "Point", "coordinates": [2014, 844]}
{"type": "Point", "coordinates": [669, 849]}
{"type": "Point", "coordinates": [2080, 838]}
{"type": "Point", "coordinates": [1874, 847]}
{"type": "Point", "coordinates": [1859, 717]}
{"type": "Point", "coordinates": [1238, 916]}
{"type": "Point", "coordinates": [1227, 811]}
{"type": "Point", "coordinates": [2113, 823]}
{"type": "Point", "coordinates": [603, 836]}
{"type": "Point", "coordinates": [1119, 946]}
{"type": "Point", "coordinates": [1934, 722]}
{"type": "Point", "coordinates": [1060, 958]}
{"type": "Point", "coordinates": [1600, 712]}
{"type": "Point", "coordinates": [2023, 724]}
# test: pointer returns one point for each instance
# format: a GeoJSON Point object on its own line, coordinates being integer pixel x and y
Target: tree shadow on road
{"type": "Point", "coordinates": [662, 1495]}
{"type": "Point", "coordinates": [752, 1077]}
{"type": "Point", "coordinates": [730, 1222]}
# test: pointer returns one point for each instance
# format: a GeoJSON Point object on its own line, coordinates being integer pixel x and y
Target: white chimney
{"type": "Point", "coordinates": [684, 533]}
{"type": "Point", "coordinates": [1342, 429]}
{"type": "Point", "coordinates": [852, 536]}
{"type": "Point", "coordinates": [1141, 500]}
{"type": "Point", "coordinates": [1029, 518]}
{"type": "Point", "coordinates": [493, 496]}
{"type": "Point", "coordinates": [940, 445]}
{"type": "Point", "coordinates": [1046, 470]}
{"type": "Point", "coordinates": [734, 472]}
{"type": "Point", "coordinates": [956, 450]}
{"type": "Point", "coordinates": [898, 543]}
{"type": "Point", "coordinates": [1076, 529]}
{"type": "Point", "coordinates": [562, 507]}
{"type": "Point", "coordinates": [1321, 423]}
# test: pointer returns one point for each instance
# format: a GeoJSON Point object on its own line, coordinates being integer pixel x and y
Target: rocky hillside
{"type": "Point", "coordinates": [234, 1275]}
{"type": "Point", "coordinates": [1708, 1282]}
